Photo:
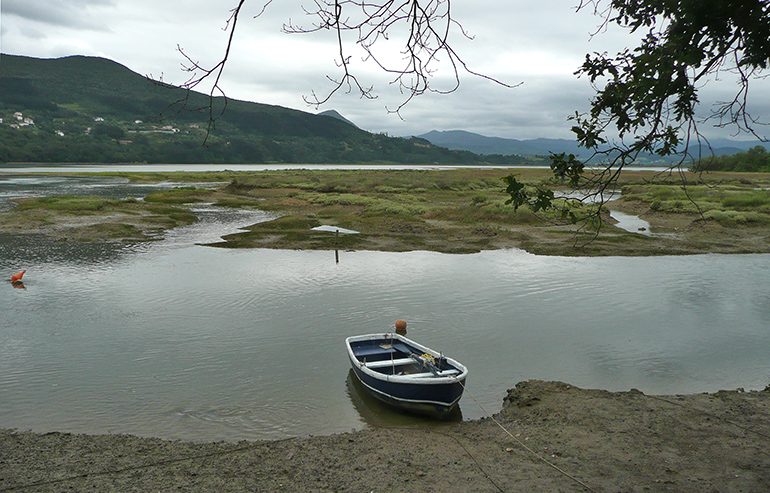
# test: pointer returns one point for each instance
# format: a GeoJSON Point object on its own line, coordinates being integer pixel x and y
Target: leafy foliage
{"type": "Point", "coordinates": [646, 96]}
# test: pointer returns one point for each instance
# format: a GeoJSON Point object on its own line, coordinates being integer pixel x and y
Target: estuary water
{"type": "Point", "coordinates": [182, 341]}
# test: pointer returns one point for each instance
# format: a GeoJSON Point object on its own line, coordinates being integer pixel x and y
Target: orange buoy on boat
{"type": "Point", "coordinates": [401, 327]}
{"type": "Point", "coordinates": [17, 277]}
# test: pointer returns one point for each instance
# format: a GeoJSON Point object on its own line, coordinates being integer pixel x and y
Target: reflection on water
{"type": "Point", "coordinates": [182, 341]}
{"type": "Point", "coordinates": [632, 224]}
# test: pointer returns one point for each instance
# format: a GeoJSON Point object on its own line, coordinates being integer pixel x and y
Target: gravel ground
{"type": "Point", "coordinates": [549, 436]}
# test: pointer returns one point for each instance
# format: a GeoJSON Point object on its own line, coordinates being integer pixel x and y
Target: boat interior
{"type": "Point", "coordinates": [397, 358]}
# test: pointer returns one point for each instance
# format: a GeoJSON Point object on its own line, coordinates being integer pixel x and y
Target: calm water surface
{"type": "Point", "coordinates": [177, 340]}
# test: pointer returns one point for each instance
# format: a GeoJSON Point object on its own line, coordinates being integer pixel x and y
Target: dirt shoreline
{"type": "Point", "coordinates": [549, 436]}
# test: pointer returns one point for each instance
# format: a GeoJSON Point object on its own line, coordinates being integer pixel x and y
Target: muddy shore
{"type": "Point", "coordinates": [549, 436]}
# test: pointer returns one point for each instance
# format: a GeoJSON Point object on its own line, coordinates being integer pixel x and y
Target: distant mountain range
{"type": "Point", "coordinates": [479, 144]}
{"type": "Point", "coordinates": [90, 109]}
{"type": "Point", "coordinates": [468, 141]}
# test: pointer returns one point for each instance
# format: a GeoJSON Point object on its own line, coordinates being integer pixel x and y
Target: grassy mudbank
{"type": "Point", "coordinates": [549, 436]}
{"type": "Point", "coordinates": [451, 211]}
{"type": "Point", "coordinates": [463, 211]}
{"type": "Point", "coordinates": [92, 218]}
{"type": "Point", "coordinates": [455, 212]}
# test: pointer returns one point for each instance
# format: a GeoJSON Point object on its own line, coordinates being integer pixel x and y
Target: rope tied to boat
{"type": "Point", "coordinates": [523, 445]}
{"type": "Point", "coordinates": [427, 358]}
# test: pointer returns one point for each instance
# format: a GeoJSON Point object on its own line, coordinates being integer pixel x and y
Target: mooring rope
{"type": "Point", "coordinates": [524, 445]}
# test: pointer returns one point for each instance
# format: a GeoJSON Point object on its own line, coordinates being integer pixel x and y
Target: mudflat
{"type": "Point", "coordinates": [549, 436]}
{"type": "Point", "coordinates": [449, 211]}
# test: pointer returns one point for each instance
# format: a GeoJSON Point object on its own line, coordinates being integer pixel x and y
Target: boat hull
{"type": "Point", "coordinates": [437, 401]}
{"type": "Point", "coordinates": [435, 395]}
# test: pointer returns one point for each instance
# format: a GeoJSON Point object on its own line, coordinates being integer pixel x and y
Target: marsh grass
{"type": "Point", "coordinates": [737, 202]}
{"type": "Point", "coordinates": [464, 209]}
{"type": "Point", "coordinates": [95, 218]}
{"type": "Point", "coordinates": [72, 204]}
{"type": "Point", "coordinates": [180, 195]}
{"type": "Point", "coordinates": [738, 218]}
{"type": "Point", "coordinates": [456, 211]}
{"type": "Point", "coordinates": [756, 199]}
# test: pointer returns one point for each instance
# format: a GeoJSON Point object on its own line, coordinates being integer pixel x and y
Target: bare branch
{"type": "Point", "coordinates": [428, 26]}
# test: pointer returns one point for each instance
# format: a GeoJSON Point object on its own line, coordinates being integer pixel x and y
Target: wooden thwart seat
{"type": "Point", "coordinates": [389, 362]}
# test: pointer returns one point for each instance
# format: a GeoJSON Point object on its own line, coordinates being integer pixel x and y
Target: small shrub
{"type": "Point", "coordinates": [746, 200]}
{"type": "Point", "coordinates": [183, 195]}
{"type": "Point", "coordinates": [732, 218]}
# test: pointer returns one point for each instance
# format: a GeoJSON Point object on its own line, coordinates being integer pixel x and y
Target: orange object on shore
{"type": "Point", "coordinates": [17, 277]}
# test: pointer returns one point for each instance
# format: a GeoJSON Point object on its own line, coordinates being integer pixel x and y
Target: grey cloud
{"type": "Point", "coordinates": [69, 13]}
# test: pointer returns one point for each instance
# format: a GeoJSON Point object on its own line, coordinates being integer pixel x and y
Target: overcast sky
{"type": "Point", "coordinates": [538, 44]}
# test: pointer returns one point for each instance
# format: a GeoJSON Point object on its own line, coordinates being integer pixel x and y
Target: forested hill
{"type": "Point", "coordinates": [87, 109]}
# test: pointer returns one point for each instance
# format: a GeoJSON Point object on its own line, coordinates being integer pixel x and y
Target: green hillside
{"type": "Point", "coordinates": [86, 109]}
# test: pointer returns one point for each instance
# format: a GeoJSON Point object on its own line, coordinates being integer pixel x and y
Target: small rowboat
{"type": "Point", "coordinates": [405, 374]}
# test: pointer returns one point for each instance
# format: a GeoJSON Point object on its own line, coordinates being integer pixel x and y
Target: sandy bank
{"type": "Point", "coordinates": [556, 437]}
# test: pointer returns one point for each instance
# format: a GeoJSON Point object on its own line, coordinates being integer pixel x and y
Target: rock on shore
{"type": "Point", "coordinates": [550, 436]}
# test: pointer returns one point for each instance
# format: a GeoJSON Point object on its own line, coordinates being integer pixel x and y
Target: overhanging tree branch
{"type": "Point", "coordinates": [646, 97]}
{"type": "Point", "coordinates": [427, 25]}
{"type": "Point", "coordinates": [424, 25]}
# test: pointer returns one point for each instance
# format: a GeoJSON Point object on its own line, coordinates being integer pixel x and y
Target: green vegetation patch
{"type": "Point", "coordinates": [72, 204]}
{"type": "Point", "coordinates": [738, 218]}
{"type": "Point", "coordinates": [371, 205]}
{"type": "Point", "coordinates": [756, 159]}
{"type": "Point", "coordinates": [733, 203]}
{"type": "Point", "coordinates": [93, 218]}
{"type": "Point", "coordinates": [746, 200]}
{"type": "Point", "coordinates": [181, 195]}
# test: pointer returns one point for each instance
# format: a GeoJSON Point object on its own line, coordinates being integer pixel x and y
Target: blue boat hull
{"type": "Point", "coordinates": [431, 400]}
